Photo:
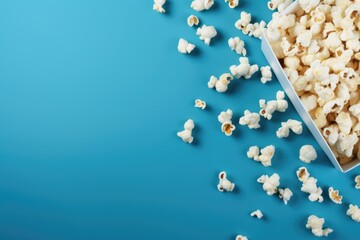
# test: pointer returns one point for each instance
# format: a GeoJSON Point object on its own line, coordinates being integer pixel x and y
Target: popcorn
{"type": "Point", "coordinates": [258, 214]}
{"type": "Point", "coordinates": [193, 20]}
{"type": "Point", "coordinates": [241, 237]}
{"type": "Point", "coordinates": [244, 69]}
{"type": "Point", "coordinates": [250, 119]}
{"type": "Point", "coordinates": [206, 33]}
{"type": "Point", "coordinates": [233, 3]}
{"type": "Point", "coordinates": [270, 184]}
{"type": "Point", "coordinates": [245, 19]}
{"type": "Point", "coordinates": [281, 5]}
{"type": "Point", "coordinates": [266, 74]}
{"type": "Point", "coordinates": [345, 143]}
{"type": "Point", "coordinates": [354, 212]}
{"type": "Point", "coordinates": [158, 6]}
{"type": "Point", "coordinates": [237, 45]}
{"type": "Point", "coordinates": [316, 225]}
{"type": "Point", "coordinates": [259, 29]}
{"type": "Point", "coordinates": [225, 119]}
{"type": "Point", "coordinates": [309, 185]}
{"type": "Point", "coordinates": [357, 182]}
{"type": "Point", "coordinates": [308, 5]}
{"type": "Point", "coordinates": [309, 101]}
{"type": "Point", "coordinates": [200, 104]}
{"type": "Point", "coordinates": [331, 134]}
{"type": "Point", "coordinates": [266, 156]}
{"type": "Point", "coordinates": [344, 122]}
{"type": "Point", "coordinates": [186, 134]}
{"type": "Point", "coordinates": [200, 5]}
{"type": "Point", "coordinates": [334, 196]}
{"type": "Point", "coordinates": [302, 174]}
{"type": "Point", "coordinates": [224, 183]}
{"type": "Point", "coordinates": [307, 153]}
{"type": "Point", "coordinates": [304, 39]}
{"type": "Point", "coordinates": [184, 46]}
{"type": "Point", "coordinates": [221, 84]}
{"type": "Point", "coordinates": [285, 195]}
{"type": "Point", "coordinates": [293, 125]}
{"type": "Point", "coordinates": [269, 107]}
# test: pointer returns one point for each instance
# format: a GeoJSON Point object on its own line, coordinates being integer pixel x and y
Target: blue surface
{"type": "Point", "coordinates": [92, 94]}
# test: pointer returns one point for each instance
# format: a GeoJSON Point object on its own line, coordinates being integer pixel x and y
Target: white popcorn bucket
{"type": "Point", "coordinates": [294, 98]}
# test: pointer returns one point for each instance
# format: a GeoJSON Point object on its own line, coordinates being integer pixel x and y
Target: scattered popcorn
{"type": "Point", "coordinates": [316, 225]}
{"type": "Point", "coordinates": [244, 69]}
{"type": "Point", "coordinates": [200, 5]}
{"type": "Point", "coordinates": [257, 214]}
{"type": "Point", "coordinates": [193, 20]}
{"type": "Point", "coordinates": [241, 237]}
{"type": "Point", "coordinates": [266, 74]}
{"type": "Point", "coordinates": [186, 134]}
{"type": "Point", "coordinates": [307, 153]}
{"type": "Point", "coordinates": [250, 119]}
{"type": "Point", "coordinates": [206, 33]}
{"type": "Point", "coordinates": [225, 119]}
{"type": "Point", "coordinates": [184, 46]}
{"type": "Point", "coordinates": [293, 125]}
{"type": "Point", "coordinates": [221, 84]}
{"type": "Point", "coordinates": [285, 194]}
{"type": "Point", "coordinates": [158, 6]}
{"type": "Point", "coordinates": [266, 156]}
{"type": "Point", "coordinates": [269, 107]}
{"type": "Point", "coordinates": [237, 45]}
{"type": "Point", "coordinates": [270, 184]}
{"type": "Point", "coordinates": [334, 196]}
{"type": "Point", "coordinates": [233, 3]}
{"type": "Point", "coordinates": [200, 104]}
{"type": "Point", "coordinates": [354, 212]}
{"type": "Point", "coordinates": [224, 183]}
{"type": "Point", "coordinates": [357, 182]}
{"type": "Point", "coordinates": [309, 185]}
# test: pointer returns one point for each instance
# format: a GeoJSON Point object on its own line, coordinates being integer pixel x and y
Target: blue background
{"type": "Point", "coordinates": [92, 94]}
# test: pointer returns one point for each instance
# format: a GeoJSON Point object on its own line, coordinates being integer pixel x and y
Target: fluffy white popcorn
{"type": "Point", "coordinates": [206, 33]}
{"type": "Point", "coordinates": [344, 122]}
{"type": "Point", "coordinates": [302, 174]}
{"type": "Point", "coordinates": [225, 116]}
{"type": "Point", "coordinates": [258, 214]}
{"type": "Point", "coordinates": [316, 225]}
{"type": "Point", "coordinates": [266, 74]}
{"type": "Point", "coordinates": [345, 143]}
{"type": "Point", "coordinates": [357, 182]}
{"type": "Point", "coordinates": [158, 6]}
{"type": "Point", "coordinates": [334, 196]}
{"type": "Point", "coordinates": [186, 134]}
{"type": "Point", "coordinates": [309, 185]}
{"type": "Point", "coordinates": [221, 84]}
{"type": "Point", "coordinates": [245, 19]}
{"type": "Point", "coordinates": [293, 125]}
{"type": "Point", "coordinates": [285, 195]}
{"type": "Point", "coordinates": [193, 20]}
{"type": "Point", "coordinates": [304, 39]}
{"type": "Point", "coordinates": [224, 183]}
{"type": "Point", "coordinates": [280, 5]}
{"type": "Point", "coordinates": [308, 5]}
{"type": "Point", "coordinates": [250, 119]}
{"type": "Point", "coordinates": [244, 69]}
{"type": "Point", "coordinates": [335, 105]}
{"type": "Point", "coordinates": [309, 101]}
{"type": "Point", "coordinates": [307, 153]}
{"type": "Point", "coordinates": [269, 107]}
{"type": "Point", "coordinates": [233, 3]}
{"type": "Point", "coordinates": [241, 237]}
{"type": "Point", "coordinates": [237, 45]}
{"type": "Point", "coordinates": [264, 155]}
{"type": "Point", "coordinates": [331, 134]}
{"type": "Point", "coordinates": [200, 5]}
{"type": "Point", "coordinates": [200, 104]}
{"type": "Point", "coordinates": [270, 184]}
{"type": "Point", "coordinates": [226, 123]}
{"type": "Point", "coordinates": [184, 46]}
{"type": "Point", "coordinates": [354, 212]}
{"type": "Point", "coordinates": [258, 30]}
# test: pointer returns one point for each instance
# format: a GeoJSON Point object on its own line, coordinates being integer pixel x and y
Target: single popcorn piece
{"type": "Point", "coordinates": [200, 5]}
{"type": "Point", "coordinates": [280, 5]}
{"type": "Point", "coordinates": [186, 134]}
{"type": "Point", "coordinates": [226, 123]}
{"type": "Point", "coordinates": [237, 45]}
{"type": "Point", "coordinates": [264, 155]}
{"type": "Point", "coordinates": [285, 195]}
{"type": "Point", "coordinates": [293, 125]}
{"type": "Point", "coordinates": [309, 185]}
{"type": "Point", "coordinates": [250, 119]}
{"type": "Point", "coordinates": [200, 104]}
{"type": "Point", "coordinates": [266, 74]}
{"type": "Point", "coordinates": [259, 29]}
{"type": "Point", "coordinates": [357, 182]}
{"type": "Point", "coordinates": [335, 196]}
{"type": "Point", "coordinates": [233, 3]}
{"type": "Point", "coordinates": [316, 225]}
{"type": "Point", "coordinates": [269, 107]}
{"type": "Point", "coordinates": [224, 183]}
{"type": "Point", "coordinates": [302, 174]}
{"type": "Point", "coordinates": [354, 212]}
{"type": "Point", "coordinates": [158, 6]}
{"type": "Point", "coordinates": [185, 47]}
{"type": "Point", "coordinates": [270, 184]}
{"type": "Point", "coordinates": [193, 20]}
{"type": "Point", "coordinates": [221, 84]}
{"type": "Point", "coordinates": [244, 21]}
{"type": "Point", "coordinates": [241, 237]}
{"type": "Point", "coordinates": [258, 214]}
{"type": "Point", "coordinates": [244, 69]}
{"type": "Point", "coordinates": [307, 153]}
{"type": "Point", "coordinates": [206, 33]}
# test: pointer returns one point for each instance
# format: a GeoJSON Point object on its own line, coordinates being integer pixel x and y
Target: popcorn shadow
{"type": "Point", "coordinates": [167, 6]}
{"type": "Point", "coordinates": [195, 133]}
{"type": "Point", "coordinates": [219, 38]}
{"type": "Point", "coordinates": [302, 223]}
{"type": "Point", "coordinates": [196, 52]}
{"type": "Point", "coordinates": [234, 84]}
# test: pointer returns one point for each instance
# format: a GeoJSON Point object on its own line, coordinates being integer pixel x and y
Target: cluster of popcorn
{"type": "Point", "coordinates": [316, 225]}
{"type": "Point", "coordinates": [318, 46]}
{"type": "Point", "coordinates": [220, 84]}
{"type": "Point", "coordinates": [271, 184]}
{"type": "Point", "coordinates": [244, 69]}
{"type": "Point", "coordinates": [309, 185]}
{"type": "Point", "coordinates": [264, 155]}
{"type": "Point", "coordinates": [252, 29]}
{"type": "Point", "coordinates": [269, 107]}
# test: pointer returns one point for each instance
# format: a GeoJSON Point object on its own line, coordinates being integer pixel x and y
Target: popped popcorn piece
{"type": "Point", "coordinates": [307, 153]}
{"type": "Point", "coordinates": [237, 45]}
{"type": "Point", "coordinates": [280, 5]}
{"type": "Point", "coordinates": [357, 182]}
{"type": "Point", "coordinates": [266, 74]}
{"type": "Point", "coordinates": [186, 134]}
{"type": "Point", "coordinates": [200, 104]}
{"type": "Point", "coordinates": [335, 196]}
{"type": "Point", "coordinates": [245, 19]}
{"type": "Point", "coordinates": [233, 3]}
{"type": "Point", "coordinates": [200, 5]}
{"type": "Point", "coordinates": [258, 214]}
{"type": "Point", "coordinates": [241, 237]}
{"type": "Point", "coordinates": [267, 153]}
{"type": "Point", "coordinates": [224, 183]}
{"type": "Point", "coordinates": [293, 125]}
{"type": "Point", "coordinates": [285, 195]}
{"type": "Point", "coordinates": [302, 174]}
{"type": "Point", "coordinates": [258, 30]}
{"type": "Point", "coordinates": [206, 33]}
{"type": "Point", "coordinates": [250, 119]}
{"type": "Point", "coordinates": [270, 184]}
{"type": "Point", "coordinates": [158, 6]}
{"type": "Point", "coordinates": [354, 212]}
{"type": "Point", "coordinates": [309, 185]}
{"type": "Point", "coordinates": [316, 225]}
{"type": "Point", "coordinates": [244, 69]}
{"type": "Point", "coordinates": [184, 46]}
{"type": "Point", "coordinates": [221, 84]}
{"type": "Point", "coordinates": [226, 123]}
{"type": "Point", "coordinates": [346, 143]}
{"type": "Point", "coordinates": [269, 107]}
{"type": "Point", "coordinates": [193, 20]}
